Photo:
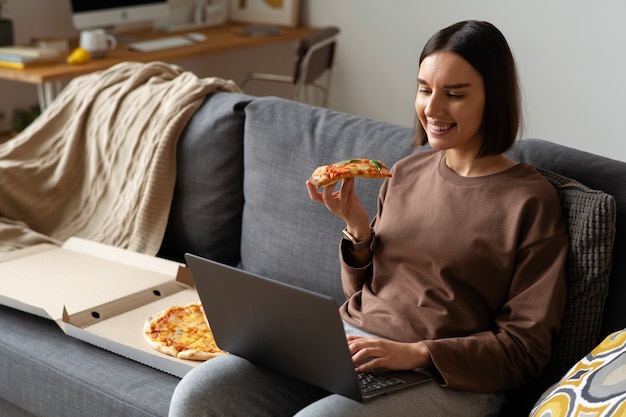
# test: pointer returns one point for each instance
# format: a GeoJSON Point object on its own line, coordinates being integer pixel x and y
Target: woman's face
{"type": "Point", "coordinates": [450, 102]}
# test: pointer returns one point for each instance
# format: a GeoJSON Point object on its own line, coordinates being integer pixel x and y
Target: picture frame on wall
{"type": "Point", "coordinates": [265, 12]}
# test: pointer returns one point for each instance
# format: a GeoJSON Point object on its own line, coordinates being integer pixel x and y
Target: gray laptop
{"type": "Point", "coordinates": [287, 329]}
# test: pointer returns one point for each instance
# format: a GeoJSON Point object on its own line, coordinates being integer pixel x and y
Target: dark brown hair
{"type": "Point", "coordinates": [484, 47]}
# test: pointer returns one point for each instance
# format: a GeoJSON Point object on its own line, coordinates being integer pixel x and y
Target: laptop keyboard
{"type": "Point", "coordinates": [372, 382]}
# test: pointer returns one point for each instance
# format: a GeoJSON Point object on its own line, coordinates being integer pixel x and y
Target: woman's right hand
{"type": "Point", "coordinates": [345, 204]}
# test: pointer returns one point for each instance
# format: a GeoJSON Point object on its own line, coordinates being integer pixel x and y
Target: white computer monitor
{"type": "Point", "coordinates": [87, 14]}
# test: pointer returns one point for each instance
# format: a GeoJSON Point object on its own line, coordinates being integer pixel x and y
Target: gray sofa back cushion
{"type": "Point", "coordinates": [205, 217]}
{"type": "Point", "coordinates": [282, 227]}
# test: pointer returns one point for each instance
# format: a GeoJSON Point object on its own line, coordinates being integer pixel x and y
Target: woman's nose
{"type": "Point", "coordinates": [434, 106]}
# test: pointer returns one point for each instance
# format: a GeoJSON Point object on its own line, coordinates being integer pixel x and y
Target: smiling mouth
{"type": "Point", "coordinates": [441, 128]}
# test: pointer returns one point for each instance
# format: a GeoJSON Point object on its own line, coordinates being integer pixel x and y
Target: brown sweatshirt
{"type": "Point", "coordinates": [472, 266]}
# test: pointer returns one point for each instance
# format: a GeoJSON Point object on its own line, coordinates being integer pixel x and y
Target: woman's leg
{"type": "Point", "coordinates": [232, 386]}
{"type": "Point", "coordinates": [425, 400]}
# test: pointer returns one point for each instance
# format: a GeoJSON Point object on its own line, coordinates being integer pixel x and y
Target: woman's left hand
{"type": "Point", "coordinates": [369, 353]}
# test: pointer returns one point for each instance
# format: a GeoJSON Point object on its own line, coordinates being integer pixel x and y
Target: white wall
{"type": "Point", "coordinates": [571, 57]}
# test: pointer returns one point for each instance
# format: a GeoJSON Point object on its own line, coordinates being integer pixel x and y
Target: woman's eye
{"type": "Point", "coordinates": [424, 91]}
{"type": "Point", "coordinates": [455, 95]}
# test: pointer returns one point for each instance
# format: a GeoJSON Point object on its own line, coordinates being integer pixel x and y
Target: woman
{"type": "Point", "coordinates": [461, 272]}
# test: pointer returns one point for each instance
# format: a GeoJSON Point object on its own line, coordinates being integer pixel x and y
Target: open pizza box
{"type": "Point", "coordinates": [99, 294]}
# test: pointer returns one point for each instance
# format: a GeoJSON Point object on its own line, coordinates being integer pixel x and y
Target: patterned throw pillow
{"type": "Point", "coordinates": [595, 386]}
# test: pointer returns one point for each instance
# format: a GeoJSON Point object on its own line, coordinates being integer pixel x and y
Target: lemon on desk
{"type": "Point", "coordinates": [79, 56]}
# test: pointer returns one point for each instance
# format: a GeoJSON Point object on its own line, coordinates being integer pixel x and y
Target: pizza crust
{"type": "Point", "coordinates": [160, 347]}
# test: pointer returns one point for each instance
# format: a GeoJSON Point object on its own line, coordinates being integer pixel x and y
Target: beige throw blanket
{"type": "Point", "coordinates": [100, 162]}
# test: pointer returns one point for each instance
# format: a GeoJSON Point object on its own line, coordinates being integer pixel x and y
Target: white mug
{"type": "Point", "coordinates": [97, 42]}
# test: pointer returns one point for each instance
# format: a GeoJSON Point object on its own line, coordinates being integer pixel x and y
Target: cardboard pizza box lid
{"type": "Point", "coordinates": [79, 275]}
{"type": "Point", "coordinates": [99, 294]}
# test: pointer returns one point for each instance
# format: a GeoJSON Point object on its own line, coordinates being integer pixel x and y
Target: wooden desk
{"type": "Point", "coordinates": [219, 39]}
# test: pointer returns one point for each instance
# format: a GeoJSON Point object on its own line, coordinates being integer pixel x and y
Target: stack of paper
{"type": "Point", "coordinates": [25, 56]}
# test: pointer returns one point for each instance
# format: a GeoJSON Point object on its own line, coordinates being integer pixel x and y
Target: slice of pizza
{"type": "Point", "coordinates": [326, 175]}
{"type": "Point", "coordinates": [182, 332]}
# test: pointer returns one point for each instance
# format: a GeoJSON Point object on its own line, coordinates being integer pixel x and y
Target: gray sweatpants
{"type": "Point", "coordinates": [230, 386]}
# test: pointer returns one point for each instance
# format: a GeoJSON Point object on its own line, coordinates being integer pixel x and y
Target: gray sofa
{"type": "Point", "coordinates": [240, 199]}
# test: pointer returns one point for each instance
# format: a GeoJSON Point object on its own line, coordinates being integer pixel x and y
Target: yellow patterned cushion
{"type": "Point", "coordinates": [594, 386]}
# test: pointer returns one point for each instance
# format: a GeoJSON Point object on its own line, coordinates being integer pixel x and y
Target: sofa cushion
{"type": "Point", "coordinates": [285, 235]}
{"type": "Point", "coordinates": [205, 216]}
{"type": "Point", "coordinates": [595, 385]}
{"type": "Point", "coordinates": [590, 216]}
